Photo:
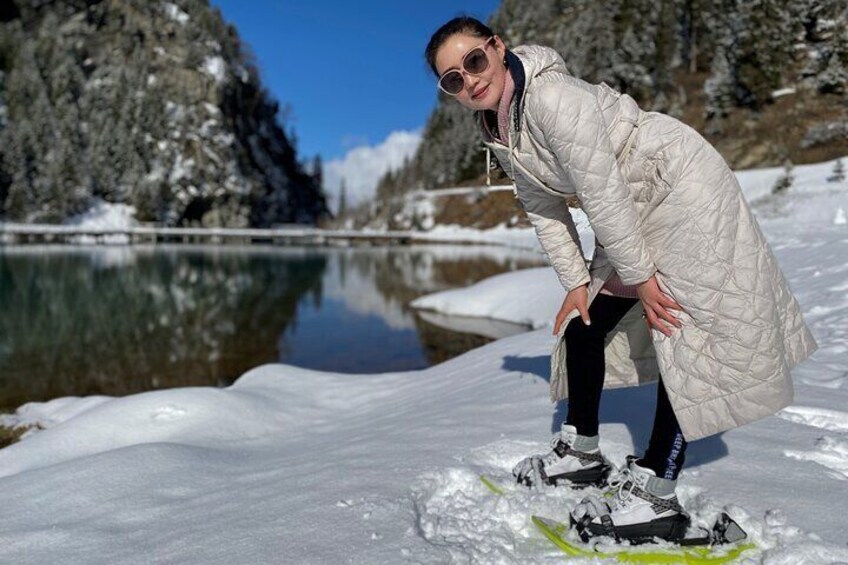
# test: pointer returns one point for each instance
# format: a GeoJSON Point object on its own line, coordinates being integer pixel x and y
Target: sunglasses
{"type": "Point", "coordinates": [474, 62]}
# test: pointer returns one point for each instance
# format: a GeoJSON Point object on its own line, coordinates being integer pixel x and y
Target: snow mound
{"type": "Point", "coordinates": [105, 216]}
{"type": "Point", "coordinates": [528, 297]}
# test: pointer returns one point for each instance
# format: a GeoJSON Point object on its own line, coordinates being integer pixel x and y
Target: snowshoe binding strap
{"type": "Point", "coordinates": [562, 449]}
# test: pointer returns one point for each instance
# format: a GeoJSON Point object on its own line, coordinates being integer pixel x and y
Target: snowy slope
{"type": "Point", "coordinates": [295, 466]}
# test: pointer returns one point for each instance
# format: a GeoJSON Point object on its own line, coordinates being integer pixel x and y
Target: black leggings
{"type": "Point", "coordinates": [585, 365]}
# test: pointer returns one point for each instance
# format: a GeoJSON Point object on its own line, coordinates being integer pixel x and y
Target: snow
{"type": "Point", "coordinates": [175, 13]}
{"type": "Point", "coordinates": [783, 92]}
{"type": "Point", "coordinates": [104, 215]}
{"type": "Point", "coordinates": [289, 465]}
{"type": "Point", "coordinates": [242, 74]}
{"type": "Point", "coordinates": [215, 67]}
{"type": "Point", "coordinates": [423, 214]}
{"type": "Point", "coordinates": [502, 235]}
{"type": "Point", "coordinates": [181, 169]}
{"type": "Point", "coordinates": [495, 298]}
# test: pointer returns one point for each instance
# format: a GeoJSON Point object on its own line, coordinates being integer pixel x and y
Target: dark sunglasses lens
{"type": "Point", "coordinates": [476, 62]}
{"type": "Point", "coordinates": [452, 82]}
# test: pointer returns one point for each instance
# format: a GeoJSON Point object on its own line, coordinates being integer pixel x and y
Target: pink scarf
{"type": "Point", "coordinates": [503, 111]}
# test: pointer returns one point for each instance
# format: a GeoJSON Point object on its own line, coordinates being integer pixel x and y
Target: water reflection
{"type": "Point", "coordinates": [117, 320]}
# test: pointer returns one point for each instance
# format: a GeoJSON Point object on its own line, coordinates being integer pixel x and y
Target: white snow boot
{"type": "Point", "coordinates": [574, 460]}
{"type": "Point", "coordinates": [641, 507]}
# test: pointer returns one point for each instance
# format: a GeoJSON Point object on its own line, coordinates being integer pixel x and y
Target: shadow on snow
{"type": "Point", "coordinates": [633, 406]}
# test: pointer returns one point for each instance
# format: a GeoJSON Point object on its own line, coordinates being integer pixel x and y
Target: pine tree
{"type": "Point", "coordinates": [719, 89]}
{"type": "Point", "coordinates": [317, 171]}
{"type": "Point", "coordinates": [785, 181]}
{"type": "Point", "coordinates": [824, 25]}
{"type": "Point", "coordinates": [386, 185]}
{"type": "Point", "coordinates": [838, 172]}
{"type": "Point", "coordinates": [766, 48]}
{"type": "Point", "coordinates": [342, 198]}
{"type": "Point", "coordinates": [696, 25]}
{"type": "Point", "coordinates": [833, 78]}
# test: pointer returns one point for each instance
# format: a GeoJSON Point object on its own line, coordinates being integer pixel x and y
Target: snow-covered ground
{"type": "Point", "coordinates": [105, 216]}
{"type": "Point", "coordinates": [289, 465]}
{"type": "Point", "coordinates": [102, 216]}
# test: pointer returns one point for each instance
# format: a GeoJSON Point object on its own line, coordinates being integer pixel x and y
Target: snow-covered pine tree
{"type": "Point", "coordinates": [838, 172]}
{"type": "Point", "coordinates": [450, 149]}
{"type": "Point", "coordinates": [697, 40]}
{"type": "Point", "coordinates": [586, 38]}
{"type": "Point", "coordinates": [342, 198]}
{"type": "Point", "coordinates": [755, 41]}
{"type": "Point", "coordinates": [719, 89]}
{"type": "Point", "coordinates": [386, 185]}
{"type": "Point", "coordinates": [317, 170]}
{"type": "Point", "coordinates": [404, 178]}
{"type": "Point", "coordinates": [766, 48]}
{"type": "Point", "coordinates": [5, 179]}
{"type": "Point", "coordinates": [825, 37]}
{"type": "Point", "coordinates": [785, 180]}
{"type": "Point", "coordinates": [833, 77]}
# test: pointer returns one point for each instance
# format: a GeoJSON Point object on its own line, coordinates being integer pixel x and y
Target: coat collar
{"type": "Point", "coordinates": [525, 63]}
{"type": "Point", "coordinates": [519, 77]}
{"type": "Point", "coordinates": [516, 70]}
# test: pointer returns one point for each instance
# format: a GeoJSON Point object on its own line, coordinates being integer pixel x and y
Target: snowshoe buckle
{"type": "Point", "coordinates": [726, 530]}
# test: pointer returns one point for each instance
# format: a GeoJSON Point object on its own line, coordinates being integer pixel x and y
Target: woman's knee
{"type": "Point", "coordinates": [578, 332]}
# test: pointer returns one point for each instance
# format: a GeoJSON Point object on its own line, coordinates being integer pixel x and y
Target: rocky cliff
{"type": "Point", "coordinates": [149, 103]}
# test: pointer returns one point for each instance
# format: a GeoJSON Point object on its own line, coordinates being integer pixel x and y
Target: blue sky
{"type": "Point", "coordinates": [352, 71]}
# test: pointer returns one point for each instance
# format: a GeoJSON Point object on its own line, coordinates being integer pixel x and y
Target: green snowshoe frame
{"type": "Point", "coordinates": [717, 548]}
{"type": "Point", "coordinates": [702, 554]}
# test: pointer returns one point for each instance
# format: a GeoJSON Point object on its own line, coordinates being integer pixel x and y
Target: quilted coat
{"type": "Point", "coordinates": [661, 201]}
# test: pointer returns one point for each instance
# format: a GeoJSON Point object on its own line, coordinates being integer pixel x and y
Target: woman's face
{"type": "Point", "coordinates": [483, 91]}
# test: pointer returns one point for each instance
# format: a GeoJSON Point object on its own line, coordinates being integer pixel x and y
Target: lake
{"type": "Point", "coordinates": [116, 320]}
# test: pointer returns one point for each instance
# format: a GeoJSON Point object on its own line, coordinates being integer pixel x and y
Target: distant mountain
{"type": "Point", "coordinates": [149, 103]}
{"type": "Point", "coordinates": [764, 80]}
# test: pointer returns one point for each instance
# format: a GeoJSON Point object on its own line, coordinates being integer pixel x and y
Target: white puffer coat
{"type": "Point", "coordinates": [661, 201]}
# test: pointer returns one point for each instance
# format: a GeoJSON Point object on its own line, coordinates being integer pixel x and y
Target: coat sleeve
{"type": "Point", "coordinates": [557, 234]}
{"type": "Point", "coordinates": [574, 130]}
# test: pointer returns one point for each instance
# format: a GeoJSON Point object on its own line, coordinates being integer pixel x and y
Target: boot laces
{"type": "Point", "coordinates": [622, 485]}
{"type": "Point", "coordinates": [552, 456]}
{"type": "Point", "coordinates": [556, 439]}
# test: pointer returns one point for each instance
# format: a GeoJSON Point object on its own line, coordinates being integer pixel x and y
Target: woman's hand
{"type": "Point", "coordinates": [577, 297]}
{"type": "Point", "coordinates": [656, 304]}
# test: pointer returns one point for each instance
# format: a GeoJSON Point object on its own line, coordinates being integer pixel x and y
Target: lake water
{"type": "Point", "coordinates": [115, 320]}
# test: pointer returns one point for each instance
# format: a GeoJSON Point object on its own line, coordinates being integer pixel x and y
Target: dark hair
{"type": "Point", "coordinates": [461, 24]}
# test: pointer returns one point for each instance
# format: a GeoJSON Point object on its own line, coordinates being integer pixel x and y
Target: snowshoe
{"type": "Point", "coordinates": [574, 460]}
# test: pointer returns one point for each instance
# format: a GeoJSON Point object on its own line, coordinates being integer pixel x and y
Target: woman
{"type": "Point", "coordinates": [676, 245]}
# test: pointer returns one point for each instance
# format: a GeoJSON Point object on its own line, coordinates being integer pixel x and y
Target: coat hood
{"type": "Point", "coordinates": [526, 64]}
{"type": "Point", "coordinates": [538, 59]}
